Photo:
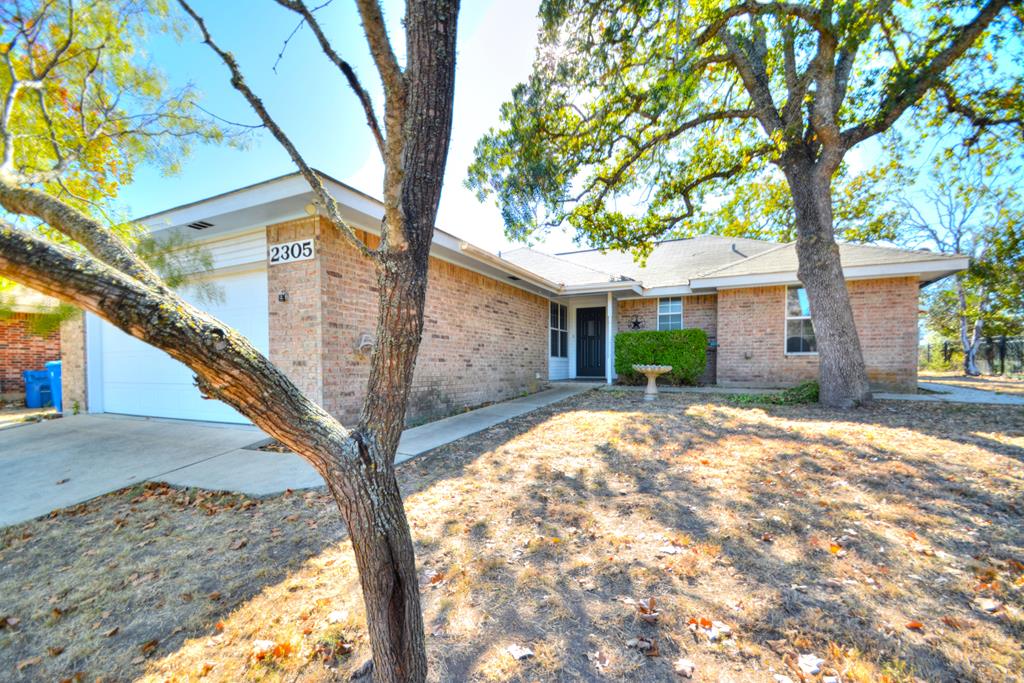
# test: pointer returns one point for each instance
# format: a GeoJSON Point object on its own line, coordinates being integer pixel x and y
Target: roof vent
{"type": "Point", "coordinates": [200, 225]}
{"type": "Point", "coordinates": [513, 277]}
{"type": "Point", "coordinates": [737, 251]}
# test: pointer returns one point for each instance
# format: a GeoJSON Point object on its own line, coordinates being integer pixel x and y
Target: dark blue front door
{"type": "Point", "coordinates": [590, 349]}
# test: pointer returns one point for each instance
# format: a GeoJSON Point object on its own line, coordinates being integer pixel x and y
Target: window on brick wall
{"type": "Point", "coordinates": [799, 328]}
{"type": "Point", "coordinates": [670, 313]}
{"type": "Point", "coordinates": [559, 331]}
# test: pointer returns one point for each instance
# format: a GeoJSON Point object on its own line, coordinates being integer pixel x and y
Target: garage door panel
{"type": "Point", "coordinates": [139, 379]}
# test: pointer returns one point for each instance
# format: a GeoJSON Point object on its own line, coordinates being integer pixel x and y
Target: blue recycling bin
{"type": "Point", "coordinates": [37, 388]}
{"type": "Point", "coordinates": [53, 369]}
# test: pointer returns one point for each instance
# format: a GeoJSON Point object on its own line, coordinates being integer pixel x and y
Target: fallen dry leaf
{"type": "Point", "coordinates": [31, 661]}
{"type": "Point", "coordinates": [915, 625]}
{"type": "Point", "coordinates": [149, 646]}
{"type": "Point", "coordinates": [112, 632]}
{"type": "Point", "coordinates": [648, 611]}
{"type": "Point", "coordinates": [952, 622]}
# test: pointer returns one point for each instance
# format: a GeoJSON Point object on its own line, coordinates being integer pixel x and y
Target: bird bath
{"type": "Point", "coordinates": [652, 372]}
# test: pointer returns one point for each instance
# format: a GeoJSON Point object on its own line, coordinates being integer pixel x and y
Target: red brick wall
{"type": "Point", "coordinates": [20, 350]}
{"type": "Point", "coordinates": [483, 340]}
{"type": "Point", "coordinates": [751, 330]}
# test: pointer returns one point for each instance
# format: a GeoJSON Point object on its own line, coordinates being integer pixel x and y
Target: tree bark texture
{"type": "Point", "coordinates": [377, 522]}
{"type": "Point", "coordinates": [969, 341]}
{"type": "Point", "coordinates": [842, 374]}
{"type": "Point", "coordinates": [357, 465]}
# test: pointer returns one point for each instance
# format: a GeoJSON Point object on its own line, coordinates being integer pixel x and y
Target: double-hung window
{"type": "Point", "coordinates": [670, 313]}
{"type": "Point", "coordinates": [799, 328]}
{"type": "Point", "coordinates": [559, 331]}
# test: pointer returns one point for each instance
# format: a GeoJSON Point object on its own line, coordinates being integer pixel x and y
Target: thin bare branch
{"type": "Point", "coordinates": [327, 201]}
{"type": "Point", "coordinates": [299, 7]}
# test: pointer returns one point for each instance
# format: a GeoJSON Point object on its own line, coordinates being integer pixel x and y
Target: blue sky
{"type": "Point", "coordinates": [312, 102]}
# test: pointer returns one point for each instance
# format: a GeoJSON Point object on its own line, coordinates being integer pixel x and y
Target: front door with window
{"type": "Point", "coordinates": [590, 351]}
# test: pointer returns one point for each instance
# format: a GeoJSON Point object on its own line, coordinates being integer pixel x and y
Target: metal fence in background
{"type": "Point", "coordinates": [996, 355]}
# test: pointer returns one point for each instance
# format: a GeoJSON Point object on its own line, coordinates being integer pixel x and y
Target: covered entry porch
{"type": "Point", "coordinates": [581, 336]}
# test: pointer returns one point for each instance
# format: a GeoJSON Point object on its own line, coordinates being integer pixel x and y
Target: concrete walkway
{"type": "Point", "coordinates": [57, 463]}
{"type": "Point", "coordinates": [951, 394]}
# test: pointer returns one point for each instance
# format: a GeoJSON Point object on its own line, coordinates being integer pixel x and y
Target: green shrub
{"type": "Point", "coordinates": [801, 393]}
{"type": "Point", "coordinates": [684, 350]}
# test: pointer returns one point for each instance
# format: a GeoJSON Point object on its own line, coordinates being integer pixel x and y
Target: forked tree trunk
{"type": "Point", "coordinates": [357, 465]}
{"type": "Point", "coordinates": [375, 514]}
{"type": "Point", "coordinates": [842, 376]}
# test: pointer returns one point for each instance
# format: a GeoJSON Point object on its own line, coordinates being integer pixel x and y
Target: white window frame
{"type": "Point", "coordinates": [659, 313]}
{"type": "Point", "coordinates": [563, 319]}
{"type": "Point", "coordinates": [785, 324]}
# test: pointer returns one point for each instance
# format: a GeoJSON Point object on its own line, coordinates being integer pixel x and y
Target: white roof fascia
{"type": "Point", "coordinates": [599, 287]}
{"type": "Point", "coordinates": [669, 290]}
{"type": "Point", "coordinates": [921, 269]}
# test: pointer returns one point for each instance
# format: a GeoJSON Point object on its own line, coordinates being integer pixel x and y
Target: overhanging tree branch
{"type": "Point", "coordinates": [89, 233]}
{"type": "Point", "coordinates": [928, 76]}
{"type": "Point", "coordinates": [226, 364]}
{"type": "Point", "coordinates": [978, 120]}
{"type": "Point", "coordinates": [325, 198]}
{"type": "Point", "coordinates": [808, 13]}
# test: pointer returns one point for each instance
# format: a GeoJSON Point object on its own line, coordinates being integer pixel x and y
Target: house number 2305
{"type": "Point", "coordinates": [291, 251]}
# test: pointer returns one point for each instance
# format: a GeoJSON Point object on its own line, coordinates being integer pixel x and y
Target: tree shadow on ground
{"type": "Point", "coordinates": [803, 529]}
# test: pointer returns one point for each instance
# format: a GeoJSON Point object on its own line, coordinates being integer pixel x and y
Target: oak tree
{"type": "Point", "coordinates": [80, 110]}
{"type": "Point", "coordinates": [975, 210]}
{"type": "Point", "coordinates": [640, 115]}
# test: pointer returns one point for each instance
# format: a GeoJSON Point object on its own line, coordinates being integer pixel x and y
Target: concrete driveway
{"type": "Point", "coordinates": [56, 463]}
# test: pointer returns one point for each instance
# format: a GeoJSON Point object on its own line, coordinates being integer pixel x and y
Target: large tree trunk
{"type": "Point", "coordinates": [842, 376]}
{"type": "Point", "coordinates": [357, 465]}
{"type": "Point", "coordinates": [376, 517]}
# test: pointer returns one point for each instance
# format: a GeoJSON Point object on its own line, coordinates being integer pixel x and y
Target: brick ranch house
{"type": "Point", "coordinates": [20, 349]}
{"type": "Point", "coordinates": [496, 325]}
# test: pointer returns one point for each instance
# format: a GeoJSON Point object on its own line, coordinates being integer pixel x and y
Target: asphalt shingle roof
{"type": "Point", "coordinates": [677, 262]}
{"type": "Point", "coordinates": [672, 262]}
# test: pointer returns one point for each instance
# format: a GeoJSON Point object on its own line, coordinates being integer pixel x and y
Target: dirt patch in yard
{"type": "Point", "coordinates": [888, 543]}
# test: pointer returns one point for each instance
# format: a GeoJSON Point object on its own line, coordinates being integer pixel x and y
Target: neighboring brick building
{"type": "Point", "coordinates": [496, 326]}
{"type": "Point", "coordinates": [20, 348]}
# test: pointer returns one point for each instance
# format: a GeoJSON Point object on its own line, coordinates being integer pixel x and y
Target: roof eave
{"type": "Point", "coordinates": [924, 270]}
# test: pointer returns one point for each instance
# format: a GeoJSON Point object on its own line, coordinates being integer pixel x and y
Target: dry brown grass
{"type": "Point", "coordinates": [804, 530]}
{"type": "Point", "coordinates": [998, 384]}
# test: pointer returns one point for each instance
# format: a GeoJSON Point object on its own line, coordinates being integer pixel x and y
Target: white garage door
{"type": "Point", "coordinates": [139, 379]}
